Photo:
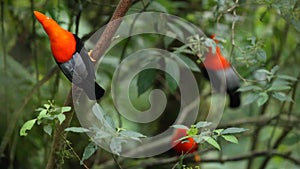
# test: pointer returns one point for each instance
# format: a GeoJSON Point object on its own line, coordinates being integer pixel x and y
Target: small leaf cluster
{"type": "Point", "coordinates": [105, 132]}
{"type": "Point", "coordinates": [268, 84]}
{"type": "Point", "coordinates": [201, 133]}
{"type": "Point", "coordinates": [48, 115]}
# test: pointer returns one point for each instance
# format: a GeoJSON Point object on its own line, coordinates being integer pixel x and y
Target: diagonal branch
{"type": "Point", "coordinates": [110, 29]}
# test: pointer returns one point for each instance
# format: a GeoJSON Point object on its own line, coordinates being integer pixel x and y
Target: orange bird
{"type": "Point", "coordinates": [72, 58]}
{"type": "Point", "coordinates": [183, 146]}
{"type": "Point", "coordinates": [221, 75]}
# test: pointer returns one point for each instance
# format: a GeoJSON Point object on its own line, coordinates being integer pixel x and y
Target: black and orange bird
{"type": "Point", "coordinates": [71, 56]}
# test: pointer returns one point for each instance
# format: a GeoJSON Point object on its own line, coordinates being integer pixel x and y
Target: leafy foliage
{"type": "Point", "coordinates": [201, 133]}
{"type": "Point", "coordinates": [48, 115]}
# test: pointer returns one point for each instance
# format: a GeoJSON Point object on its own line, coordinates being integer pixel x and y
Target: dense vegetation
{"type": "Point", "coordinates": [260, 38]}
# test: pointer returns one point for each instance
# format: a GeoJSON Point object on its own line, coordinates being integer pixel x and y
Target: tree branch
{"type": "Point", "coordinates": [190, 158]}
{"type": "Point", "coordinates": [110, 29]}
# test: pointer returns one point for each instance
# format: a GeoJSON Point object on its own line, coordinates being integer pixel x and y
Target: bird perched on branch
{"type": "Point", "coordinates": [218, 70]}
{"type": "Point", "coordinates": [72, 58]}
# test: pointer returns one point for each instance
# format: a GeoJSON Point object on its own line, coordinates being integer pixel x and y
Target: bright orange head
{"type": "Point", "coordinates": [216, 60]}
{"type": "Point", "coordinates": [63, 43]}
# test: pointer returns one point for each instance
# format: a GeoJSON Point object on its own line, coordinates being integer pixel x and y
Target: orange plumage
{"type": "Point", "coordinates": [215, 60]}
{"type": "Point", "coordinates": [63, 43]}
{"type": "Point", "coordinates": [183, 146]}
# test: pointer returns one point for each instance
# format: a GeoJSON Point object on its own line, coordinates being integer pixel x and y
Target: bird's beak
{"type": "Point", "coordinates": [41, 17]}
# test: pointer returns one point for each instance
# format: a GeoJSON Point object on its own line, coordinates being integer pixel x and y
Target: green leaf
{"type": "Point", "coordinates": [282, 96]}
{"type": "Point", "coordinates": [172, 74]}
{"type": "Point", "coordinates": [275, 69]}
{"type": "Point", "coordinates": [48, 129]}
{"type": "Point", "coordinates": [262, 98]}
{"type": "Point", "coordinates": [278, 88]}
{"type": "Point", "coordinates": [47, 106]}
{"type": "Point", "coordinates": [212, 142]}
{"type": "Point", "coordinates": [116, 145]}
{"type": "Point", "coordinates": [262, 56]}
{"type": "Point", "coordinates": [202, 124]}
{"type": "Point", "coordinates": [158, 7]}
{"type": "Point", "coordinates": [65, 109]}
{"type": "Point", "coordinates": [61, 118]}
{"type": "Point", "coordinates": [264, 71]}
{"type": "Point", "coordinates": [89, 150]}
{"type": "Point", "coordinates": [218, 131]}
{"type": "Point", "coordinates": [230, 138]}
{"type": "Point", "coordinates": [27, 126]}
{"type": "Point", "coordinates": [179, 126]}
{"type": "Point", "coordinates": [192, 131]}
{"type": "Point", "coordinates": [249, 88]}
{"type": "Point", "coordinates": [175, 30]}
{"type": "Point", "coordinates": [286, 77]}
{"type": "Point", "coordinates": [77, 129]}
{"type": "Point", "coordinates": [145, 80]}
{"type": "Point", "coordinates": [43, 114]}
{"type": "Point", "coordinates": [191, 64]}
{"type": "Point", "coordinates": [233, 130]}
{"type": "Point", "coordinates": [251, 97]}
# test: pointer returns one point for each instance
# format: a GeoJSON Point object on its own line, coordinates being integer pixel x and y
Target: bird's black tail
{"type": "Point", "coordinates": [93, 90]}
{"type": "Point", "coordinates": [235, 98]}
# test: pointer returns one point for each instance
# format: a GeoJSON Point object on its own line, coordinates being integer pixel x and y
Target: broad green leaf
{"type": "Point", "coordinates": [275, 69]}
{"type": "Point", "coordinates": [110, 121]}
{"type": "Point", "coordinates": [249, 88]}
{"type": "Point", "coordinates": [172, 74]}
{"type": "Point", "coordinates": [43, 114]}
{"type": "Point", "coordinates": [262, 56]}
{"type": "Point", "coordinates": [233, 130]}
{"type": "Point", "coordinates": [175, 30]}
{"type": "Point", "coordinates": [282, 96]}
{"type": "Point", "coordinates": [264, 71]}
{"type": "Point", "coordinates": [212, 142]}
{"type": "Point", "coordinates": [251, 97]}
{"type": "Point", "coordinates": [145, 80]}
{"type": "Point", "coordinates": [202, 124]}
{"type": "Point", "coordinates": [48, 129]}
{"type": "Point", "coordinates": [77, 129]}
{"type": "Point", "coordinates": [65, 109]}
{"type": "Point", "coordinates": [157, 7]}
{"type": "Point", "coordinates": [218, 131]}
{"type": "Point", "coordinates": [262, 98]}
{"type": "Point", "coordinates": [278, 88]}
{"type": "Point", "coordinates": [47, 106]}
{"type": "Point", "coordinates": [179, 126]}
{"type": "Point", "coordinates": [27, 126]}
{"type": "Point", "coordinates": [116, 145]}
{"type": "Point", "coordinates": [61, 118]}
{"type": "Point", "coordinates": [286, 77]}
{"type": "Point", "coordinates": [191, 64]}
{"type": "Point", "coordinates": [230, 138]}
{"type": "Point", "coordinates": [172, 84]}
{"type": "Point", "coordinates": [192, 131]}
{"type": "Point", "coordinates": [89, 150]}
